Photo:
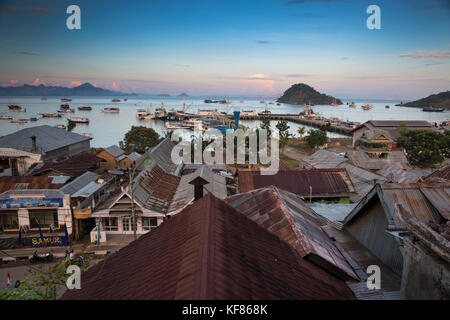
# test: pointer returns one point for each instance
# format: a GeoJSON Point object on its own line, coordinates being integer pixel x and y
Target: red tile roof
{"type": "Point", "coordinates": [208, 251]}
{"type": "Point", "coordinates": [27, 182]}
{"type": "Point", "coordinates": [324, 182]}
{"type": "Point", "coordinates": [73, 167]}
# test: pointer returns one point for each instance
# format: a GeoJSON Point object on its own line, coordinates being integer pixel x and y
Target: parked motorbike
{"type": "Point", "coordinates": [46, 257]}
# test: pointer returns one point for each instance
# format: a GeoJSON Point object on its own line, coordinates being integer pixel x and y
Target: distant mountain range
{"type": "Point", "coordinates": [183, 95]}
{"type": "Point", "coordinates": [440, 100]}
{"type": "Point", "coordinates": [86, 89]}
{"type": "Point", "coordinates": [301, 93]}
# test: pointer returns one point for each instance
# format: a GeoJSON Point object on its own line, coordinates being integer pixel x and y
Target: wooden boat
{"type": "Point", "coordinates": [115, 100]}
{"type": "Point", "coordinates": [432, 109]}
{"type": "Point", "coordinates": [34, 119]}
{"type": "Point", "coordinates": [78, 120]}
{"type": "Point", "coordinates": [352, 105]}
{"type": "Point", "coordinates": [67, 111]}
{"type": "Point", "coordinates": [51, 115]}
{"type": "Point", "coordinates": [13, 107]}
{"type": "Point", "coordinates": [20, 121]}
{"type": "Point", "coordinates": [64, 106]}
{"type": "Point", "coordinates": [65, 100]}
{"type": "Point", "coordinates": [110, 110]}
{"type": "Point", "coordinates": [60, 126]}
{"type": "Point", "coordinates": [5, 118]}
{"type": "Point", "coordinates": [43, 99]}
{"type": "Point", "coordinates": [83, 108]}
{"type": "Point", "coordinates": [367, 107]}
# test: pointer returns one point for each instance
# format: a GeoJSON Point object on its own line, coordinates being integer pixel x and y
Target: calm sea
{"type": "Point", "coordinates": [108, 129]}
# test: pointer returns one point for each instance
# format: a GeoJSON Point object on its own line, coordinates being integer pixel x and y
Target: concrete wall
{"type": "Point", "coordinates": [369, 228]}
{"type": "Point", "coordinates": [425, 275]}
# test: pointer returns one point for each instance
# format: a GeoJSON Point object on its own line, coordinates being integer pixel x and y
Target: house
{"type": "Point", "coordinates": [440, 175]}
{"type": "Point", "coordinates": [363, 179]}
{"type": "Point", "coordinates": [155, 195]}
{"type": "Point", "coordinates": [386, 130]}
{"type": "Point", "coordinates": [19, 150]}
{"type": "Point", "coordinates": [395, 173]}
{"type": "Point", "coordinates": [126, 160]}
{"type": "Point", "coordinates": [110, 156]}
{"type": "Point", "coordinates": [376, 224]}
{"type": "Point", "coordinates": [363, 159]}
{"type": "Point", "coordinates": [29, 213]}
{"type": "Point", "coordinates": [426, 269]}
{"type": "Point", "coordinates": [87, 192]}
{"type": "Point", "coordinates": [313, 185]}
{"type": "Point", "coordinates": [209, 251]}
{"type": "Point", "coordinates": [30, 183]}
{"type": "Point", "coordinates": [287, 216]}
{"type": "Point", "coordinates": [376, 142]}
{"type": "Point", "coordinates": [161, 155]}
{"type": "Point", "coordinates": [72, 167]}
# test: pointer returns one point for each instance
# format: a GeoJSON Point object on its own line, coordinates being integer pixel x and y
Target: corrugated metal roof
{"type": "Point", "coordinates": [362, 159]}
{"type": "Point", "coordinates": [48, 193]}
{"type": "Point", "coordinates": [332, 211]}
{"type": "Point", "coordinates": [47, 138]}
{"type": "Point", "coordinates": [80, 182]}
{"type": "Point", "coordinates": [439, 197]}
{"type": "Point", "coordinates": [324, 182]}
{"type": "Point", "coordinates": [400, 175]}
{"type": "Point", "coordinates": [208, 251]}
{"type": "Point", "coordinates": [323, 159]}
{"type": "Point", "coordinates": [115, 151]}
{"type": "Point", "coordinates": [73, 167]}
{"type": "Point", "coordinates": [440, 175]}
{"type": "Point", "coordinates": [162, 155]}
{"type": "Point", "coordinates": [27, 182]}
{"type": "Point", "coordinates": [287, 216]}
{"type": "Point", "coordinates": [398, 123]}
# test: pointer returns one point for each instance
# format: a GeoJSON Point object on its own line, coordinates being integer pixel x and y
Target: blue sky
{"type": "Point", "coordinates": [230, 47]}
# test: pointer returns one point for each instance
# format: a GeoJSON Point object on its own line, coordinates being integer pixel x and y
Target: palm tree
{"type": "Point", "coordinates": [301, 131]}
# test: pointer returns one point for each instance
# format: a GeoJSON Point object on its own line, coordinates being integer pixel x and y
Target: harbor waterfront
{"type": "Point", "coordinates": [109, 128]}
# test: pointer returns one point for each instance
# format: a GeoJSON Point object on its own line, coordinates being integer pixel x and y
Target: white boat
{"type": "Point", "coordinates": [60, 126]}
{"type": "Point", "coordinates": [176, 125]}
{"type": "Point", "coordinates": [78, 120]}
{"type": "Point", "coordinates": [5, 118]}
{"type": "Point", "coordinates": [352, 105]}
{"type": "Point", "coordinates": [67, 110]}
{"type": "Point", "coordinates": [367, 107]}
{"type": "Point", "coordinates": [110, 110]}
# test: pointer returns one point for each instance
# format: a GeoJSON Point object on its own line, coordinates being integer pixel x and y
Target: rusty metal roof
{"type": "Point", "coordinates": [286, 215]}
{"type": "Point", "coordinates": [27, 182]}
{"type": "Point", "coordinates": [427, 202]}
{"type": "Point", "coordinates": [361, 158]}
{"type": "Point", "coordinates": [208, 251]}
{"type": "Point", "coordinates": [440, 175]}
{"type": "Point", "coordinates": [324, 182]}
{"type": "Point", "coordinates": [73, 167]}
{"type": "Point", "coordinates": [162, 155]}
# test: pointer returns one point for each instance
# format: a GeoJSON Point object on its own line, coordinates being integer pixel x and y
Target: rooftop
{"type": "Point", "coordinates": [362, 159]}
{"type": "Point", "coordinates": [80, 182]}
{"type": "Point", "coordinates": [48, 138]}
{"type": "Point", "coordinates": [28, 182]}
{"type": "Point", "coordinates": [208, 251]}
{"type": "Point", "coordinates": [115, 151]}
{"type": "Point", "coordinates": [324, 182]}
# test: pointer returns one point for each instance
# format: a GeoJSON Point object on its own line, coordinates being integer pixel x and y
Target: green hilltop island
{"type": "Point", "coordinates": [438, 102]}
{"type": "Point", "coordinates": [301, 93]}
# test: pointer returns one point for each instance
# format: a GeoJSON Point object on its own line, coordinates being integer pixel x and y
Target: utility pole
{"type": "Point", "coordinates": [133, 213]}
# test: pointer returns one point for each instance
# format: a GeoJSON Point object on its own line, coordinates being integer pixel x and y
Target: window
{"type": "Point", "coordinates": [126, 224]}
{"type": "Point", "coordinates": [110, 224]}
{"type": "Point", "coordinates": [43, 218]}
{"type": "Point", "coordinates": [149, 223]}
{"type": "Point", "coordinates": [9, 220]}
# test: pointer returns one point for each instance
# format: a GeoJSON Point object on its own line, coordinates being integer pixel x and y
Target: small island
{"type": "Point", "coordinates": [301, 93]}
{"type": "Point", "coordinates": [163, 95]}
{"type": "Point", "coordinates": [440, 100]}
{"type": "Point", "coordinates": [184, 94]}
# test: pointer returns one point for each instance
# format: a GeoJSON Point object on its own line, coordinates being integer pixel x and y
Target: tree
{"type": "Point", "coordinates": [301, 131]}
{"type": "Point", "coordinates": [425, 148]}
{"type": "Point", "coordinates": [139, 139]}
{"type": "Point", "coordinates": [283, 130]}
{"type": "Point", "coordinates": [265, 124]}
{"type": "Point", "coordinates": [71, 125]}
{"type": "Point", "coordinates": [316, 138]}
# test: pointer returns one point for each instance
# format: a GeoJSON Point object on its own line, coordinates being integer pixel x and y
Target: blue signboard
{"type": "Point", "coordinates": [31, 203]}
{"type": "Point", "coordinates": [49, 241]}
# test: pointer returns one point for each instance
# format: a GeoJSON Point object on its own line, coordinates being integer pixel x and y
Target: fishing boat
{"type": "Point", "coordinates": [115, 100]}
{"type": "Point", "coordinates": [176, 125]}
{"type": "Point", "coordinates": [34, 119]}
{"type": "Point", "coordinates": [65, 100]}
{"type": "Point", "coordinates": [160, 114]}
{"type": "Point", "coordinates": [60, 126]}
{"type": "Point", "coordinates": [20, 109]}
{"type": "Point", "coordinates": [262, 101]}
{"type": "Point", "coordinates": [5, 118]}
{"type": "Point", "coordinates": [352, 105]}
{"type": "Point", "coordinates": [51, 115]}
{"type": "Point", "coordinates": [67, 110]}
{"type": "Point", "coordinates": [20, 121]}
{"type": "Point", "coordinates": [141, 113]}
{"type": "Point", "coordinates": [64, 106]}
{"type": "Point", "coordinates": [13, 107]}
{"type": "Point", "coordinates": [83, 108]}
{"type": "Point", "coordinates": [78, 120]}
{"type": "Point", "coordinates": [432, 109]}
{"type": "Point", "coordinates": [110, 110]}
{"type": "Point", "coordinates": [367, 107]}
{"type": "Point", "coordinates": [278, 104]}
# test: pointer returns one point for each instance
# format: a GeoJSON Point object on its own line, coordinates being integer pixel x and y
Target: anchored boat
{"type": "Point", "coordinates": [110, 110]}
{"type": "Point", "coordinates": [78, 120]}
{"type": "Point", "coordinates": [432, 109]}
{"type": "Point", "coordinates": [83, 108]}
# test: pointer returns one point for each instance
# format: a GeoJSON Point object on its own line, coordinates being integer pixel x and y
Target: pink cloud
{"type": "Point", "coordinates": [115, 86]}
{"type": "Point", "coordinates": [13, 82]}
{"type": "Point", "coordinates": [75, 83]}
{"type": "Point", "coordinates": [37, 82]}
{"type": "Point", "coordinates": [257, 85]}
{"type": "Point", "coordinates": [418, 54]}
{"type": "Point", "coordinates": [257, 76]}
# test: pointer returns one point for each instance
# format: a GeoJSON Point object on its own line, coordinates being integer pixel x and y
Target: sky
{"type": "Point", "coordinates": [230, 48]}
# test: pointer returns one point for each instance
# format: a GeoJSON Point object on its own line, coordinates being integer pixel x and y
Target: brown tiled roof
{"type": "Point", "coordinates": [208, 251]}
{"type": "Point", "coordinates": [324, 182]}
{"type": "Point", "coordinates": [286, 215]}
{"type": "Point", "coordinates": [27, 182]}
{"type": "Point", "coordinates": [73, 167]}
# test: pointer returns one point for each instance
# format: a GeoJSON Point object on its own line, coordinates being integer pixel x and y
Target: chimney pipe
{"type": "Point", "coordinates": [33, 144]}
{"type": "Point", "coordinates": [198, 183]}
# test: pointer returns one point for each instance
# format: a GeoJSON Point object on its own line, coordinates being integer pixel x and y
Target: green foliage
{"type": "Point", "coordinates": [283, 130]}
{"type": "Point", "coordinates": [139, 139]}
{"type": "Point", "coordinates": [425, 148]}
{"type": "Point", "coordinates": [301, 131]}
{"type": "Point", "coordinates": [316, 138]}
{"type": "Point", "coordinates": [265, 124]}
{"type": "Point", "coordinates": [71, 125]}
{"type": "Point", "coordinates": [23, 292]}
